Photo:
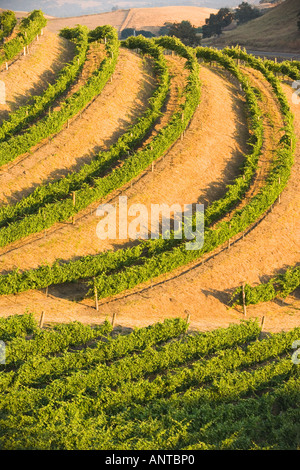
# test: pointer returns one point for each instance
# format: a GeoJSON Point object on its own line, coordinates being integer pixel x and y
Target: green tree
{"type": "Point", "coordinates": [216, 22]}
{"type": "Point", "coordinates": [127, 32]}
{"type": "Point", "coordinates": [246, 12]}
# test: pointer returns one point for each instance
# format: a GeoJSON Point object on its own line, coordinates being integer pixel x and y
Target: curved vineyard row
{"type": "Point", "coordinates": [126, 403]}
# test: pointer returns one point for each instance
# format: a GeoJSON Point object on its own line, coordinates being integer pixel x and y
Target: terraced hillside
{"type": "Point", "coordinates": [275, 31]}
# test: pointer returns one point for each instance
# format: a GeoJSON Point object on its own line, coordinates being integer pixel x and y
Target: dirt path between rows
{"type": "Point", "coordinates": [99, 125]}
{"type": "Point", "coordinates": [31, 74]}
{"type": "Point", "coordinates": [195, 169]}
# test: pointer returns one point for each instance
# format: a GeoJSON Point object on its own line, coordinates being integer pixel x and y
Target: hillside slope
{"type": "Point", "coordinates": [139, 18]}
{"type": "Point", "coordinates": [274, 31]}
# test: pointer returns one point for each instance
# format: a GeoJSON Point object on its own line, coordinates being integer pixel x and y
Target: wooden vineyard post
{"type": "Point", "coordinates": [113, 319]}
{"type": "Point", "coordinates": [24, 51]}
{"type": "Point", "coordinates": [6, 65]}
{"type": "Point", "coordinates": [42, 319]}
{"type": "Point", "coordinates": [152, 167]}
{"type": "Point", "coordinates": [74, 203]}
{"type": "Point", "coordinates": [244, 299]}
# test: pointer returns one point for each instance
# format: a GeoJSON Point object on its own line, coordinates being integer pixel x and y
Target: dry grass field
{"type": "Point", "coordinates": [275, 31]}
{"type": "Point", "coordinates": [130, 341]}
